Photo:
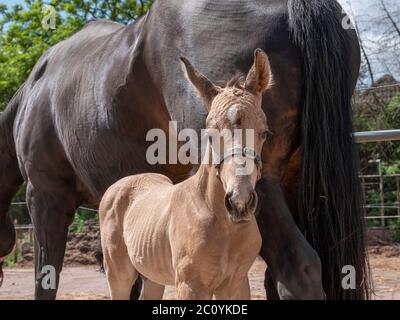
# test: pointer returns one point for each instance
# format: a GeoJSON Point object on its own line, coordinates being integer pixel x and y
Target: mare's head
{"type": "Point", "coordinates": [235, 113]}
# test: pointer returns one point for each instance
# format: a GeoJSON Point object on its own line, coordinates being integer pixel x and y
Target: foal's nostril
{"type": "Point", "coordinates": [228, 202]}
{"type": "Point", "coordinates": [252, 202]}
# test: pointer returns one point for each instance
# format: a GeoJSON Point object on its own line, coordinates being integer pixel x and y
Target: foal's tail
{"type": "Point", "coordinates": [330, 194]}
{"type": "Point", "coordinates": [10, 176]}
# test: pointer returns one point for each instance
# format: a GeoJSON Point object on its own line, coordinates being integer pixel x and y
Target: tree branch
{"type": "Point", "coordinates": [389, 16]}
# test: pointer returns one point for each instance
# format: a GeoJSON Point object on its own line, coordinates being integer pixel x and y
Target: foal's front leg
{"type": "Point", "coordinates": [189, 280]}
{"type": "Point", "coordinates": [234, 288]}
{"type": "Point", "coordinates": [192, 291]}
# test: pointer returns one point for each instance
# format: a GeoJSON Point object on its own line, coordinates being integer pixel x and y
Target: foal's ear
{"type": "Point", "coordinates": [259, 77]}
{"type": "Point", "coordinates": [205, 87]}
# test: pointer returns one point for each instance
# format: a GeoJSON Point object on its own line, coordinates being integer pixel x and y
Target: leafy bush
{"type": "Point", "coordinates": [81, 216]}
{"type": "Point", "coordinates": [394, 231]}
{"type": "Point", "coordinates": [385, 118]}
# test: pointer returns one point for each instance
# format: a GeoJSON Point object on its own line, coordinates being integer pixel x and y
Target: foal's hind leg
{"type": "Point", "coordinates": [152, 290]}
{"type": "Point", "coordinates": [121, 275]}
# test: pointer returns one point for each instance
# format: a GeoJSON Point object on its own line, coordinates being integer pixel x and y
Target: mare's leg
{"type": "Point", "coordinates": [52, 210]}
{"type": "Point", "coordinates": [270, 288]}
{"type": "Point", "coordinates": [151, 290]}
{"type": "Point", "coordinates": [10, 181]}
{"type": "Point", "coordinates": [295, 266]}
{"type": "Point", "coordinates": [137, 288]}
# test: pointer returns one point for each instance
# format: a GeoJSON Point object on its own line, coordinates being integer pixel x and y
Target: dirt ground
{"type": "Point", "coordinates": [86, 283]}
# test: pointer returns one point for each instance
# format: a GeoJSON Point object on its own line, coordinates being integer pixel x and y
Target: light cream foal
{"type": "Point", "coordinates": [199, 235]}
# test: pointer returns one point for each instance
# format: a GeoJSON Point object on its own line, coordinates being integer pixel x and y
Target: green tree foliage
{"type": "Point", "coordinates": [23, 39]}
{"type": "Point", "coordinates": [386, 117]}
{"type": "Point", "coordinates": [394, 231]}
{"type": "Point", "coordinates": [19, 211]}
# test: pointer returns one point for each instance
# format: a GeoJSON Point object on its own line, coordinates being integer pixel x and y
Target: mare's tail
{"type": "Point", "coordinates": [330, 194]}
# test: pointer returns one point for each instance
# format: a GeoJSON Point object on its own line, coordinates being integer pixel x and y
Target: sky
{"type": "Point", "coordinates": [11, 2]}
{"type": "Point", "coordinates": [369, 15]}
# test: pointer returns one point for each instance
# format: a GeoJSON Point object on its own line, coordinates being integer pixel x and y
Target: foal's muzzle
{"type": "Point", "coordinates": [241, 207]}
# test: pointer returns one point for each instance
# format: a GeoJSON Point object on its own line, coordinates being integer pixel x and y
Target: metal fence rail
{"type": "Point", "coordinates": [359, 137]}
{"type": "Point", "coordinates": [377, 136]}
{"type": "Point", "coordinates": [371, 136]}
{"type": "Point", "coordinates": [380, 136]}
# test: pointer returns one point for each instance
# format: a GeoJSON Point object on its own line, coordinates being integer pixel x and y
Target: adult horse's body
{"type": "Point", "coordinates": [79, 123]}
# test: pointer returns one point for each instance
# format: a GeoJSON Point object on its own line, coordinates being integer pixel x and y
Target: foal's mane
{"type": "Point", "coordinates": [237, 81]}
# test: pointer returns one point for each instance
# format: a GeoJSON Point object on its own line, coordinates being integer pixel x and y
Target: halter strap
{"type": "Point", "coordinates": [246, 152]}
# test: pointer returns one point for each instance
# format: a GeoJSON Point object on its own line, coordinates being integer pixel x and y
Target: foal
{"type": "Point", "coordinates": [200, 235]}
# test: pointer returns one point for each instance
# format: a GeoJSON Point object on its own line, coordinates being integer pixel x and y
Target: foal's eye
{"type": "Point", "coordinates": [265, 135]}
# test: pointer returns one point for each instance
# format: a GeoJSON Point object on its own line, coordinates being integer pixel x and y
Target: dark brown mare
{"type": "Point", "coordinates": [79, 123]}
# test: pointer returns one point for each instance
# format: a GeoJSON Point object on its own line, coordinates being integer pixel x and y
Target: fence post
{"type": "Point", "coordinates": [364, 193]}
{"type": "Point", "coordinates": [16, 242]}
{"type": "Point", "coordinates": [398, 196]}
{"type": "Point", "coordinates": [381, 193]}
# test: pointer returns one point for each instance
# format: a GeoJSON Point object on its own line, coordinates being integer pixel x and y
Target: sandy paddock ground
{"type": "Point", "coordinates": [86, 283]}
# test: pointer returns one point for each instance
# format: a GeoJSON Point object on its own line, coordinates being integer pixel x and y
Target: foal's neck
{"type": "Point", "coordinates": [210, 186]}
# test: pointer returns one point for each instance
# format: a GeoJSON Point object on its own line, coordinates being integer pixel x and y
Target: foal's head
{"type": "Point", "coordinates": [235, 112]}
